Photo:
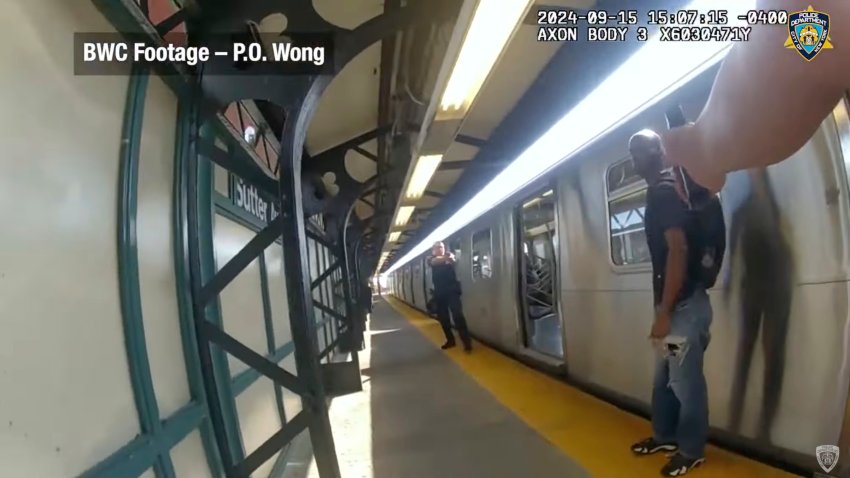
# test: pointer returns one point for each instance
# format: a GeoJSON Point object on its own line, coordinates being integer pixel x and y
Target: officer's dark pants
{"type": "Point", "coordinates": [450, 304]}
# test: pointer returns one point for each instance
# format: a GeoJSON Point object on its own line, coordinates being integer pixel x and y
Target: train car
{"type": "Point", "coordinates": [559, 276]}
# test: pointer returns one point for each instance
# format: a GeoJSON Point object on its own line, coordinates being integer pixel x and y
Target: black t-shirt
{"type": "Point", "coordinates": [665, 209]}
{"type": "Point", "coordinates": [444, 278]}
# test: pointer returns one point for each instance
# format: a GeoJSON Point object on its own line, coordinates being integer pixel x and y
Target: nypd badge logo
{"type": "Point", "coordinates": [808, 33]}
{"type": "Point", "coordinates": [827, 456]}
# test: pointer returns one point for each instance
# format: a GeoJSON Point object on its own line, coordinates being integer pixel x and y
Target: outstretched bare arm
{"type": "Point", "coordinates": [767, 101]}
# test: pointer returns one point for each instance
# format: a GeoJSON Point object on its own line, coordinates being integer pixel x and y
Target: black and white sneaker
{"type": "Point", "coordinates": [649, 446]}
{"type": "Point", "coordinates": [680, 465]}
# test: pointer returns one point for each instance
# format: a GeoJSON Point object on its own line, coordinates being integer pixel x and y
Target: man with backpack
{"type": "Point", "coordinates": [686, 236]}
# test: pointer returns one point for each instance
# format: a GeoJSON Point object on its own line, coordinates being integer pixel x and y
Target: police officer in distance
{"type": "Point", "coordinates": [447, 296]}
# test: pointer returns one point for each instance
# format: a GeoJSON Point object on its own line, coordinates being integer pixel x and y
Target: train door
{"type": "Point", "coordinates": [538, 272]}
{"type": "Point", "coordinates": [415, 288]}
{"type": "Point", "coordinates": [426, 283]}
{"type": "Point", "coordinates": [408, 283]}
{"type": "Point", "coordinates": [402, 285]}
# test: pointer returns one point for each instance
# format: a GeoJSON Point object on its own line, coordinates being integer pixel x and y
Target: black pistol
{"type": "Point", "coordinates": [675, 117]}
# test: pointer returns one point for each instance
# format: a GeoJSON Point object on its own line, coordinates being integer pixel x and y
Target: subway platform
{"type": "Point", "coordinates": [426, 413]}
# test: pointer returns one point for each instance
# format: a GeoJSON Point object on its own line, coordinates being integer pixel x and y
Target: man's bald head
{"type": "Point", "coordinates": [438, 249]}
{"type": "Point", "coordinates": [644, 139]}
{"type": "Point", "coordinates": [647, 153]}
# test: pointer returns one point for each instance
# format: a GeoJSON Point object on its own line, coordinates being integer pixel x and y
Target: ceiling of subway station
{"type": "Point", "coordinates": [519, 65]}
{"type": "Point", "coordinates": [385, 90]}
{"type": "Point", "coordinates": [529, 89]}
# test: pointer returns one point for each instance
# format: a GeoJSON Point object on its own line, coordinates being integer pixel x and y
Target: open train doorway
{"type": "Point", "coordinates": [428, 289]}
{"type": "Point", "coordinates": [538, 270]}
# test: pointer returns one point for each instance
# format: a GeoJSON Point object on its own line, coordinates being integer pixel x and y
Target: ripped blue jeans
{"type": "Point", "coordinates": [679, 393]}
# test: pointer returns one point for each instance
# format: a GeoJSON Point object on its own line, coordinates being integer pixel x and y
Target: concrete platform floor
{"type": "Point", "coordinates": [421, 416]}
{"type": "Point", "coordinates": [426, 413]}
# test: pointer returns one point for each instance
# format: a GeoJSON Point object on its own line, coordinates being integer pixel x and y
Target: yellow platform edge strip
{"type": "Point", "coordinates": [595, 434]}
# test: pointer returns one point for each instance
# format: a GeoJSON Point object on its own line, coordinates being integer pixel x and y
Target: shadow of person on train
{"type": "Point", "coordinates": [763, 274]}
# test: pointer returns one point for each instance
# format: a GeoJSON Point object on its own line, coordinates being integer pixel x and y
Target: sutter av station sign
{"type": "Point", "coordinates": [248, 198]}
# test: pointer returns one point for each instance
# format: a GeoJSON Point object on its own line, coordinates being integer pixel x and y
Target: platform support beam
{"type": "Point", "coordinates": [202, 100]}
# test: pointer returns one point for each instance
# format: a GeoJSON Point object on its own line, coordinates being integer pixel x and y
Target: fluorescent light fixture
{"type": "Point", "coordinates": [649, 75]}
{"type": "Point", "coordinates": [403, 216]}
{"type": "Point", "coordinates": [394, 236]}
{"type": "Point", "coordinates": [425, 168]}
{"type": "Point", "coordinates": [489, 31]}
{"type": "Point", "coordinates": [382, 260]}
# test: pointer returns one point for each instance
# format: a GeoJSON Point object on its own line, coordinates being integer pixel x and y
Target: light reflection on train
{"type": "Point", "coordinates": [574, 293]}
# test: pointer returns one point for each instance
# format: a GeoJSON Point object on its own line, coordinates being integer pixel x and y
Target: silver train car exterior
{"type": "Point", "coordinates": [559, 277]}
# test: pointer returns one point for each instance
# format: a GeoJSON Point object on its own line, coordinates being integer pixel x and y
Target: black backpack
{"type": "Point", "coordinates": [707, 214]}
{"type": "Point", "coordinates": [709, 228]}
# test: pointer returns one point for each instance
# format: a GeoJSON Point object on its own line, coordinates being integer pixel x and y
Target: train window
{"type": "Point", "coordinates": [621, 175]}
{"type": "Point", "coordinates": [454, 247]}
{"type": "Point", "coordinates": [626, 225]}
{"type": "Point", "coordinates": [482, 250]}
{"type": "Point", "coordinates": [626, 192]}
